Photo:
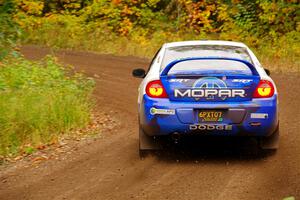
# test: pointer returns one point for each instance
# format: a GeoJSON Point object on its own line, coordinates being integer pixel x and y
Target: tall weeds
{"type": "Point", "coordinates": [39, 101]}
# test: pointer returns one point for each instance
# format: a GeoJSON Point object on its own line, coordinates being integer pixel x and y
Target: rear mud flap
{"type": "Point", "coordinates": [271, 142]}
{"type": "Point", "coordinates": [148, 142]}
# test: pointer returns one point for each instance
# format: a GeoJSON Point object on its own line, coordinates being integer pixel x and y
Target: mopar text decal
{"type": "Point", "coordinates": [209, 88]}
{"type": "Point", "coordinates": [209, 93]}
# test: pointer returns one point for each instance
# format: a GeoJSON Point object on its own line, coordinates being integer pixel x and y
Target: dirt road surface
{"type": "Point", "coordinates": [110, 168]}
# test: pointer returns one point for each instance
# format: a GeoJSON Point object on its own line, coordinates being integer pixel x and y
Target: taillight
{"type": "Point", "coordinates": [264, 89]}
{"type": "Point", "coordinates": [155, 89]}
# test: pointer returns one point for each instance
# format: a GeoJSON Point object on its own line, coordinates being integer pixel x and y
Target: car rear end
{"type": "Point", "coordinates": [210, 95]}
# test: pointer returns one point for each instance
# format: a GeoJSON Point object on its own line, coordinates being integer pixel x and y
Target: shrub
{"type": "Point", "coordinates": [9, 31]}
{"type": "Point", "coordinates": [139, 27]}
{"type": "Point", "coordinates": [40, 100]}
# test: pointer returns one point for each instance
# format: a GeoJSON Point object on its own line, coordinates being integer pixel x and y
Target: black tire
{"type": "Point", "coordinates": [143, 153]}
{"type": "Point", "coordinates": [270, 143]}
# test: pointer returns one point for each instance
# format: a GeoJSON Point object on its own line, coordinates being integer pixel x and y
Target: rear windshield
{"type": "Point", "coordinates": [175, 53]}
{"type": "Point", "coordinates": [210, 67]}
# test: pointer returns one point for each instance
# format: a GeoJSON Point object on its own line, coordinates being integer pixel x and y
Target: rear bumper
{"type": "Point", "coordinates": [243, 118]}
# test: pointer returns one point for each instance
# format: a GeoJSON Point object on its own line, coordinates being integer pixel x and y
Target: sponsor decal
{"type": "Point", "coordinates": [241, 80]}
{"type": "Point", "coordinates": [210, 127]}
{"type": "Point", "coordinates": [209, 88]}
{"type": "Point", "coordinates": [179, 80]}
{"type": "Point", "coordinates": [155, 111]}
{"type": "Point", "coordinates": [259, 116]}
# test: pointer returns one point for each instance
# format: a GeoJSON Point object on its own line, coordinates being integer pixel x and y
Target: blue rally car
{"type": "Point", "coordinates": [215, 88]}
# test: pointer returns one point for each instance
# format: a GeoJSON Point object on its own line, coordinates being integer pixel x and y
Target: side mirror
{"type": "Point", "coordinates": [139, 73]}
{"type": "Point", "coordinates": [267, 71]}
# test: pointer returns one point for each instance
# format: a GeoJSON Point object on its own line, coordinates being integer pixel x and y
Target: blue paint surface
{"type": "Point", "coordinates": [237, 110]}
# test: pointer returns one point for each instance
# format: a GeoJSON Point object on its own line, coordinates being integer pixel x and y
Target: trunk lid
{"type": "Point", "coordinates": [210, 88]}
{"type": "Point", "coordinates": [210, 79]}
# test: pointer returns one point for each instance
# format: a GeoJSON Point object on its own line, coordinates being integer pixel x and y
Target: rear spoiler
{"type": "Point", "coordinates": [171, 64]}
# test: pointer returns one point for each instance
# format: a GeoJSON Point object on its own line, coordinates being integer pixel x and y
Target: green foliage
{"type": "Point", "coordinates": [139, 27]}
{"type": "Point", "coordinates": [9, 31]}
{"type": "Point", "coordinates": [39, 101]}
{"type": "Point", "coordinates": [123, 16]}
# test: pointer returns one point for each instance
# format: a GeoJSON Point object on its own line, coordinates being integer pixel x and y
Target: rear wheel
{"type": "Point", "coordinates": [147, 144]}
{"type": "Point", "coordinates": [270, 143]}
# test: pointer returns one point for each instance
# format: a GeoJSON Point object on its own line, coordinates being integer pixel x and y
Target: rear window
{"type": "Point", "coordinates": [209, 67]}
{"type": "Point", "coordinates": [190, 51]}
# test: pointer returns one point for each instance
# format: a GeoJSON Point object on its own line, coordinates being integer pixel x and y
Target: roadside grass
{"type": "Point", "coordinates": [280, 54]}
{"type": "Point", "coordinates": [39, 101]}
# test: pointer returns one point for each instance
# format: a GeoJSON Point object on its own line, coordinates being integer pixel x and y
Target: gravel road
{"type": "Point", "coordinates": [110, 168]}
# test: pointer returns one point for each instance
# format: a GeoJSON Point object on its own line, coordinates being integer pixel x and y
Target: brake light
{"type": "Point", "coordinates": [264, 89]}
{"type": "Point", "coordinates": [155, 89]}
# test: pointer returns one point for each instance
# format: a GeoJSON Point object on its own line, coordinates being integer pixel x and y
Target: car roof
{"type": "Point", "coordinates": [205, 42]}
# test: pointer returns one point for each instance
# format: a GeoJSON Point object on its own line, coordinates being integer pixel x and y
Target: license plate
{"type": "Point", "coordinates": [210, 116]}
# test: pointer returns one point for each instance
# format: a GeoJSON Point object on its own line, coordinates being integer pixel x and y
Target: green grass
{"type": "Point", "coordinates": [280, 55]}
{"type": "Point", "coordinates": [39, 101]}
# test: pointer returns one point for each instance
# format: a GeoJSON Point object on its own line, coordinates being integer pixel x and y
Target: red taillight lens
{"type": "Point", "coordinates": [264, 89]}
{"type": "Point", "coordinates": [155, 89]}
